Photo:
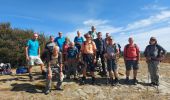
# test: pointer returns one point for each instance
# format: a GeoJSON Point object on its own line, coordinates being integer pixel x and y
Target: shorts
{"type": "Point", "coordinates": [89, 62]}
{"type": "Point", "coordinates": [111, 65]}
{"type": "Point", "coordinates": [131, 64]}
{"type": "Point", "coordinates": [34, 60]}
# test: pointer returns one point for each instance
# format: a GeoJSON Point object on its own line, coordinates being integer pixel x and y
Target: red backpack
{"type": "Point", "coordinates": [131, 51]}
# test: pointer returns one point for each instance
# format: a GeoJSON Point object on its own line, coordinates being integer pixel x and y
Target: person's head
{"type": "Point", "coordinates": [67, 39]}
{"type": "Point", "coordinates": [55, 50]}
{"type": "Point", "coordinates": [131, 41]}
{"type": "Point", "coordinates": [60, 34]}
{"type": "Point", "coordinates": [35, 36]}
{"type": "Point", "coordinates": [88, 37]}
{"type": "Point", "coordinates": [153, 41]}
{"type": "Point", "coordinates": [107, 35]}
{"type": "Point", "coordinates": [99, 35]}
{"type": "Point", "coordinates": [51, 39]}
{"type": "Point", "coordinates": [72, 44]}
{"type": "Point", "coordinates": [78, 33]}
{"type": "Point", "coordinates": [110, 40]}
{"type": "Point", "coordinates": [93, 28]}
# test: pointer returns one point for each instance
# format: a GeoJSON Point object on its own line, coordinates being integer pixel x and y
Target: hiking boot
{"type": "Point", "coordinates": [68, 77]}
{"type": "Point", "coordinates": [116, 81]}
{"type": "Point", "coordinates": [155, 84]}
{"type": "Point", "coordinates": [31, 77]}
{"type": "Point", "coordinates": [135, 81]}
{"type": "Point", "coordinates": [47, 92]}
{"type": "Point", "coordinates": [59, 89]}
{"type": "Point", "coordinates": [93, 80]}
{"type": "Point", "coordinates": [111, 81]}
{"type": "Point", "coordinates": [127, 80]}
{"type": "Point", "coordinates": [152, 84]}
{"type": "Point", "coordinates": [83, 80]}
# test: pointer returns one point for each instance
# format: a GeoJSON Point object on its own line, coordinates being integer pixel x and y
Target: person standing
{"type": "Point", "coordinates": [32, 51]}
{"type": "Point", "coordinates": [111, 52]}
{"type": "Point", "coordinates": [72, 58]}
{"type": "Point", "coordinates": [78, 40]}
{"type": "Point", "coordinates": [60, 41]}
{"type": "Point", "coordinates": [154, 54]}
{"type": "Point", "coordinates": [100, 44]}
{"type": "Point", "coordinates": [131, 58]}
{"type": "Point", "coordinates": [88, 51]}
{"type": "Point", "coordinates": [93, 32]}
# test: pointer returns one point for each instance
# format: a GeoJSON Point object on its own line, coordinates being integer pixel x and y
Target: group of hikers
{"type": "Point", "coordinates": [62, 56]}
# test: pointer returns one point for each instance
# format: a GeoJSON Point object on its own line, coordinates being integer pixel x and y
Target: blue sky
{"type": "Point", "coordinates": [140, 19]}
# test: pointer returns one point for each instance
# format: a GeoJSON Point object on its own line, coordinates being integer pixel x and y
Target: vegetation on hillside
{"type": "Point", "coordinates": [12, 44]}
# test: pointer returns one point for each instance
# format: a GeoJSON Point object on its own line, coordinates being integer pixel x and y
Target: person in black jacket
{"type": "Point", "coordinates": [100, 44]}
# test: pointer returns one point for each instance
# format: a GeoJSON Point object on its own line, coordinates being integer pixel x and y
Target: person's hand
{"type": "Point", "coordinates": [49, 75]}
{"type": "Point", "coordinates": [95, 61]}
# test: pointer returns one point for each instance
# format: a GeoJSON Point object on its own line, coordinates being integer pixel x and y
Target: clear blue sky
{"type": "Point", "coordinates": [140, 19]}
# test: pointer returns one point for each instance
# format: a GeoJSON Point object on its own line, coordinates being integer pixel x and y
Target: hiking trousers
{"type": "Point", "coordinates": [153, 67]}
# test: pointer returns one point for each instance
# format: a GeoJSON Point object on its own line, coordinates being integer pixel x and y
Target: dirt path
{"type": "Point", "coordinates": [17, 87]}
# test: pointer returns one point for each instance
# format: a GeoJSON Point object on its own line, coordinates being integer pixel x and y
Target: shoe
{"type": "Point", "coordinates": [127, 80]}
{"type": "Point", "coordinates": [111, 81]}
{"type": "Point", "coordinates": [93, 80]}
{"type": "Point", "coordinates": [135, 81]}
{"type": "Point", "coordinates": [31, 77]}
{"type": "Point", "coordinates": [68, 77]}
{"type": "Point", "coordinates": [155, 84]}
{"type": "Point", "coordinates": [83, 81]}
{"type": "Point", "coordinates": [116, 81]}
{"type": "Point", "coordinates": [47, 92]}
{"type": "Point", "coordinates": [59, 89]}
{"type": "Point", "coordinates": [152, 84]}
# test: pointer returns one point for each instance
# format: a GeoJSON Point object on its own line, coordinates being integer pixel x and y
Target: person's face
{"type": "Point", "coordinates": [35, 37]}
{"type": "Point", "coordinates": [130, 41]}
{"type": "Point", "coordinates": [78, 33]}
{"type": "Point", "coordinates": [51, 39]}
{"type": "Point", "coordinates": [99, 35]}
{"type": "Point", "coordinates": [107, 35]}
{"type": "Point", "coordinates": [93, 29]}
{"type": "Point", "coordinates": [72, 45]}
{"type": "Point", "coordinates": [88, 38]}
{"type": "Point", "coordinates": [152, 42]}
{"type": "Point", "coordinates": [111, 41]}
{"type": "Point", "coordinates": [60, 34]}
{"type": "Point", "coordinates": [55, 51]}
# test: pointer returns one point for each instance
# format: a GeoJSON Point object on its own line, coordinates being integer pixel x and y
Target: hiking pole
{"type": "Point", "coordinates": [148, 82]}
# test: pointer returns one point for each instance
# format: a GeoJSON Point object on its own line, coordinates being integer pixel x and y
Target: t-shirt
{"type": "Point", "coordinates": [59, 41]}
{"type": "Point", "coordinates": [88, 48]}
{"type": "Point", "coordinates": [49, 46]}
{"type": "Point", "coordinates": [72, 52]}
{"type": "Point", "coordinates": [93, 34]}
{"type": "Point", "coordinates": [111, 50]}
{"type": "Point", "coordinates": [33, 46]}
{"type": "Point", "coordinates": [78, 40]}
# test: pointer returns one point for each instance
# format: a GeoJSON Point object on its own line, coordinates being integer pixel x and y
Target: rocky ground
{"type": "Point", "coordinates": [18, 87]}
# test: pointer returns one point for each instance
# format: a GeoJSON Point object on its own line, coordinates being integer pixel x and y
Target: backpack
{"type": "Point", "coordinates": [127, 47]}
{"type": "Point", "coordinates": [65, 47]}
{"type": "Point", "coordinates": [5, 69]}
